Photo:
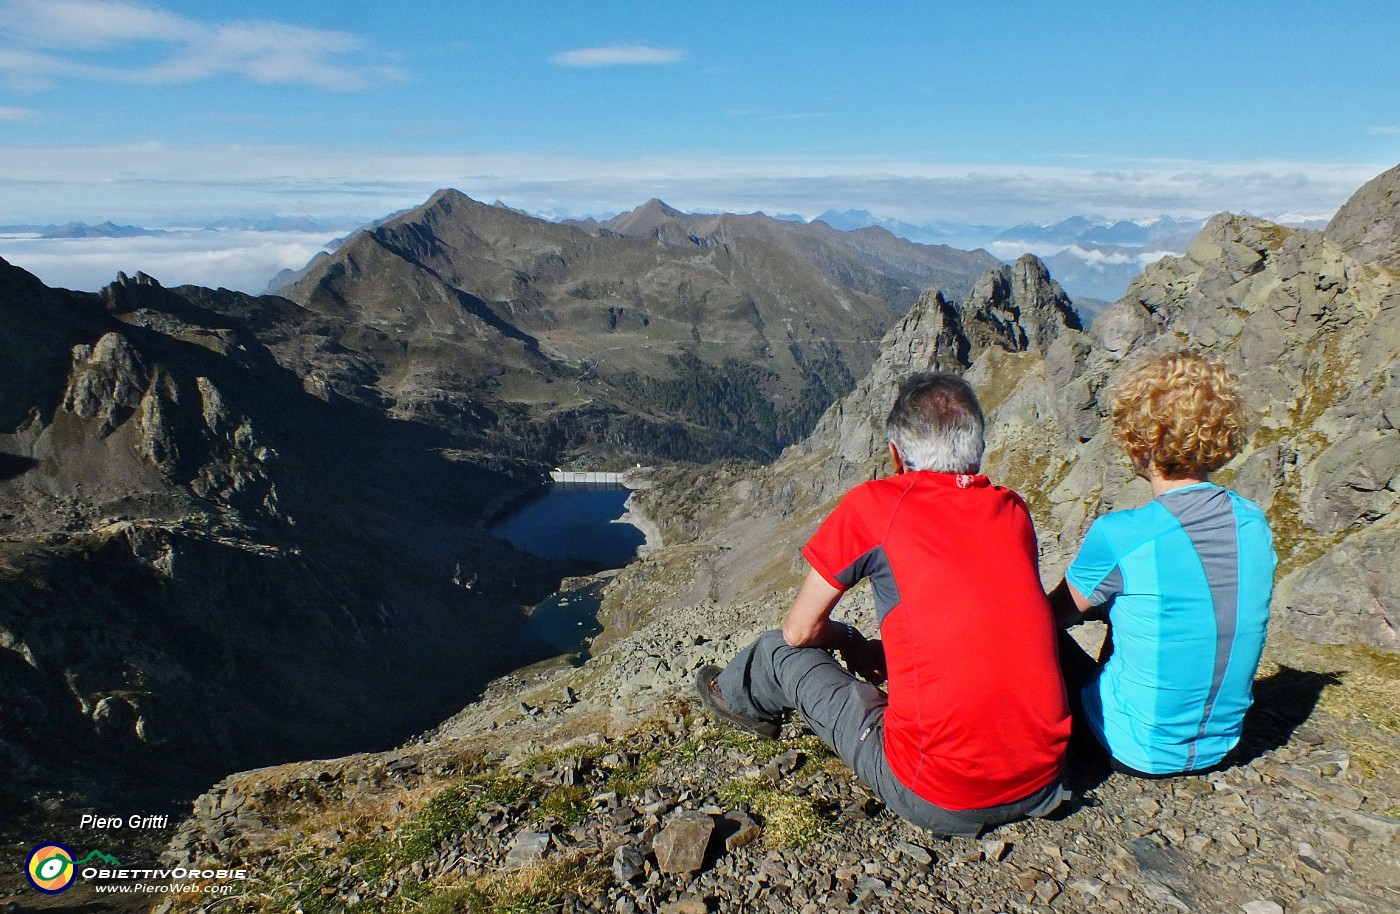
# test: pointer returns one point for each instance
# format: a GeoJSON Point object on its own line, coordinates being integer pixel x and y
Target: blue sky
{"type": "Point", "coordinates": [153, 112]}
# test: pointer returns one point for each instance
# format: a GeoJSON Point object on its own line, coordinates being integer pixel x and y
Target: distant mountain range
{"type": "Point", "coordinates": [80, 230]}
{"type": "Point", "coordinates": [1093, 258]}
{"type": "Point", "coordinates": [110, 229]}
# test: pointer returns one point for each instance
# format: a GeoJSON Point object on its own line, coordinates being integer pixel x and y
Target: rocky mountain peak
{"type": "Point", "coordinates": [108, 380]}
{"type": "Point", "coordinates": [651, 218]}
{"type": "Point", "coordinates": [448, 198]}
{"type": "Point", "coordinates": [1368, 226]}
{"type": "Point", "coordinates": [657, 206]}
{"type": "Point", "coordinates": [1018, 307]}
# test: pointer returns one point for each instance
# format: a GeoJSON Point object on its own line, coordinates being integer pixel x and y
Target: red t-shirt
{"type": "Point", "coordinates": [977, 714]}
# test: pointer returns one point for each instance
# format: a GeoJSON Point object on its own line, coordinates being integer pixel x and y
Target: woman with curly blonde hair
{"type": "Point", "coordinates": [1184, 581]}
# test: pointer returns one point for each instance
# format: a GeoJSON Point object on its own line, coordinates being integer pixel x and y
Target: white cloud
{"type": "Point", "coordinates": [51, 39]}
{"type": "Point", "coordinates": [244, 261]}
{"type": "Point", "coordinates": [90, 24]}
{"type": "Point", "coordinates": [618, 55]}
{"type": "Point", "coordinates": [1385, 130]}
{"type": "Point", "coordinates": [1099, 261]}
{"type": "Point", "coordinates": [16, 115]}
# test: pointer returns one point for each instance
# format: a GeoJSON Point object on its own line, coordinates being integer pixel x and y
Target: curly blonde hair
{"type": "Point", "coordinates": [1181, 412]}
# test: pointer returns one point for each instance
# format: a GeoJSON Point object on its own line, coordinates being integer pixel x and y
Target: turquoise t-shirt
{"type": "Point", "coordinates": [1187, 579]}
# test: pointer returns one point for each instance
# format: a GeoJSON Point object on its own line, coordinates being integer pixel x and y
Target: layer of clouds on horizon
{"type": "Point", "coordinates": [241, 260]}
{"type": "Point", "coordinates": [151, 183]}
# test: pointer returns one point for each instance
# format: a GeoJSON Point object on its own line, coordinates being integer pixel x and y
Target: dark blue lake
{"type": "Point", "coordinates": [573, 522]}
{"type": "Point", "coordinates": [569, 522]}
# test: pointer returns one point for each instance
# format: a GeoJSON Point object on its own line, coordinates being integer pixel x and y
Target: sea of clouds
{"type": "Point", "coordinates": [241, 260]}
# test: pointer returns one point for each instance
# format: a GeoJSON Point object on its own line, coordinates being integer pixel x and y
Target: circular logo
{"type": "Point", "coordinates": [50, 868]}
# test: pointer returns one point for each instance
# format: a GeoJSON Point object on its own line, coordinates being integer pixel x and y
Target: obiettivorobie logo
{"type": "Point", "coordinates": [51, 866]}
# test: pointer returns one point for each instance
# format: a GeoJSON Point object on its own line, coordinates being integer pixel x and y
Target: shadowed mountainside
{"type": "Point", "coordinates": [211, 559]}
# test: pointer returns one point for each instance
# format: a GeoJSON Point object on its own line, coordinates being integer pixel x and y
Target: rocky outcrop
{"type": "Point", "coordinates": [1368, 226]}
{"type": "Point", "coordinates": [1350, 594]}
{"type": "Point", "coordinates": [1011, 310]}
{"type": "Point", "coordinates": [1019, 307]}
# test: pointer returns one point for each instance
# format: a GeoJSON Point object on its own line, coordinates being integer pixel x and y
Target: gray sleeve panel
{"type": "Point", "coordinates": [1110, 587]}
{"type": "Point", "coordinates": [1208, 518]}
{"type": "Point", "coordinates": [874, 564]}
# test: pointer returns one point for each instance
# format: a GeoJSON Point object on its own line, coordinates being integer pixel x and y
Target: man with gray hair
{"type": "Point", "coordinates": [972, 730]}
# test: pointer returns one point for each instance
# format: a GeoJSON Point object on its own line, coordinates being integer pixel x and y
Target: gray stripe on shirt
{"type": "Point", "coordinates": [1207, 516]}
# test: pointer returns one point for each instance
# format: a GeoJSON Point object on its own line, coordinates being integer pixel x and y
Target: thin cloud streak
{"type": "Point", "coordinates": [17, 115]}
{"type": "Point", "coordinates": [618, 55]}
{"type": "Point", "coordinates": [45, 36]}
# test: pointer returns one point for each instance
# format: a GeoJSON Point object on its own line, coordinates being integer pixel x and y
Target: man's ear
{"type": "Point", "coordinates": [898, 461]}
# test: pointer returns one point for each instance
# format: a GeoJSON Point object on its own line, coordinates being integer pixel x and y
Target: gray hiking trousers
{"type": "Point", "coordinates": [769, 678]}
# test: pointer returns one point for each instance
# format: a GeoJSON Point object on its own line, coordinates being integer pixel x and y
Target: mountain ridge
{"type": "Point", "coordinates": [747, 312]}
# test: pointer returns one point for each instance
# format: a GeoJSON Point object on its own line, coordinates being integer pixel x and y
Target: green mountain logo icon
{"type": "Point", "coordinates": [105, 858]}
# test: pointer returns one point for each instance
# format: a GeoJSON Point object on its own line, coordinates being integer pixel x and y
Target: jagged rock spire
{"type": "Point", "coordinates": [1018, 307]}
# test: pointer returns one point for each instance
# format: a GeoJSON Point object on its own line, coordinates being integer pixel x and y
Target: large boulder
{"type": "Point", "coordinates": [1350, 594]}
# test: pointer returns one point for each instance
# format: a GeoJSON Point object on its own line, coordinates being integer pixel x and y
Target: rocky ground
{"type": "Point", "coordinates": [602, 787]}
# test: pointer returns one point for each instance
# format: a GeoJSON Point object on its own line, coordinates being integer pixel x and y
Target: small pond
{"type": "Point", "coordinates": [566, 623]}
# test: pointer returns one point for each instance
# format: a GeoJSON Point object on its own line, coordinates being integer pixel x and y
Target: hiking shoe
{"type": "Point", "coordinates": [707, 684]}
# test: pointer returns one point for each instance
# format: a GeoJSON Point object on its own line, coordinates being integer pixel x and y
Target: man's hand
{"type": "Point", "coordinates": [865, 658]}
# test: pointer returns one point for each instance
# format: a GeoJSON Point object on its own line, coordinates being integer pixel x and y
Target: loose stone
{"type": "Point", "coordinates": [680, 847]}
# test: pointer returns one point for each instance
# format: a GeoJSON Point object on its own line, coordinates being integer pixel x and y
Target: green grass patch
{"type": "Point", "coordinates": [534, 890]}
{"type": "Point", "coordinates": [788, 821]}
{"type": "Point", "coordinates": [567, 805]}
{"type": "Point", "coordinates": [369, 862]}
{"type": "Point", "coordinates": [456, 808]}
